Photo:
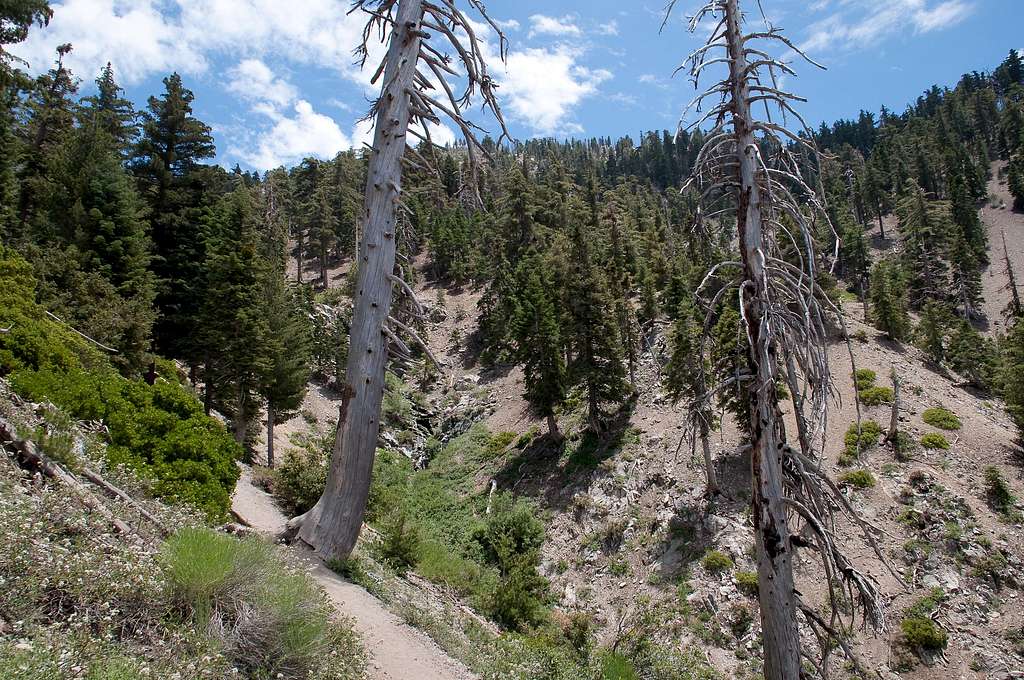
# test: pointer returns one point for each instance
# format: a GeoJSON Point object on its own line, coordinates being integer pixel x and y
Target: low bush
{"type": "Point", "coordinates": [859, 479]}
{"type": "Point", "coordinates": [857, 441]}
{"type": "Point", "coordinates": [941, 418]}
{"type": "Point", "coordinates": [746, 583]}
{"type": "Point", "coordinates": [934, 440]}
{"type": "Point", "coordinates": [923, 634]}
{"type": "Point", "coordinates": [272, 622]}
{"type": "Point", "coordinates": [716, 561]}
{"type": "Point", "coordinates": [875, 396]}
{"type": "Point", "coordinates": [997, 491]}
{"type": "Point", "coordinates": [299, 480]}
{"type": "Point", "coordinates": [399, 544]}
{"type": "Point", "coordinates": [864, 378]}
{"type": "Point", "coordinates": [160, 430]}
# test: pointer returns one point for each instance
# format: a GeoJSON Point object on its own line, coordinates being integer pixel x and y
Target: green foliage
{"type": "Point", "coordinates": [859, 479]}
{"type": "Point", "coordinates": [888, 304]}
{"type": "Point", "coordinates": [1013, 377]}
{"type": "Point", "coordinates": [275, 622]}
{"type": "Point", "coordinates": [716, 561]}
{"type": "Point", "coordinates": [856, 441]}
{"type": "Point", "coordinates": [934, 440]}
{"type": "Point", "coordinates": [747, 582]}
{"type": "Point", "coordinates": [875, 396]}
{"type": "Point", "coordinates": [864, 378]}
{"type": "Point", "coordinates": [921, 633]}
{"type": "Point", "coordinates": [1016, 179]}
{"type": "Point", "coordinates": [997, 490]}
{"type": "Point", "coordinates": [399, 545]}
{"type": "Point", "coordinates": [941, 418]}
{"type": "Point", "coordinates": [299, 481]}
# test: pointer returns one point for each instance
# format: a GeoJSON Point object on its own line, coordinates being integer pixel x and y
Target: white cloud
{"type": "Point", "coordinates": [858, 25]}
{"type": "Point", "coordinates": [134, 36]}
{"type": "Point", "coordinates": [609, 28]}
{"type": "Point", "coordinates": [541, 24]}
{"type": "Point", "coordinates": [146, 37]}
{"type": "Point", "coordinates": [542, 86]}
{"type": "Point", "coordinates": [293, 137]}
{"type": "Point", "coordinates": [253, 80]}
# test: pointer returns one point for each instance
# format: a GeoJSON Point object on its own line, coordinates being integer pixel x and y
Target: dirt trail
{"type": "Point", "coordinates": [396, 650]}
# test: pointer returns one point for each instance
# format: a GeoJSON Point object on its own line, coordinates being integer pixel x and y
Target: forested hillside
{"type": "Point", "coordinates": [566, 483]}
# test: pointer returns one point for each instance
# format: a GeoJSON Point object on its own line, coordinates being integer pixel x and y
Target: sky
{"type": "Point", "coordinates": [276, 80]}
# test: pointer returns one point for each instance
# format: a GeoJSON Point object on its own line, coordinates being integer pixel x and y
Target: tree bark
{"type": "Point", "coordinates": [332, 526]}
{"type": "Point", "coordinates": [270, 435]}
{"type": "Point", "coordinates": [780, 633]}
{"type": "Point", "coordinates": [709, 461]}
{"type": "Point", "coordinates": [553, 430]}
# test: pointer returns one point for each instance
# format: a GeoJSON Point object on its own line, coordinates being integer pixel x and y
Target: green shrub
{"type": "Point", "coordinates": [399, 544]}
{"type": "Point", "coordinates": [941, 418]}
{"type": "Point", "coordinates": [997, 490]}
{"type": "Point", "coordinates": [299, 480]}
{"type": "Point", "coordinates": [716, 561]}
{"type": "Point", "coordinates": [160, 431]}
{"type": "Point", "coordinates": [615, 666]}
{"type": "Point", "coordinates": [875, 396]}
{"type": "Point", "coordinates": [859, 479]}
{"type": "Point", "coordinates": [511, 540]}
{"type": "Point", "coordinates": [855, 441]}
{"type": "Point", "coordinates": [922, 633]}
{"type": "Point", "coordinates": [747, 583]}
{"type": "Point", "coordinates": [934, 440]}
{"type": "Point", "coordinates": [864, 378]}
{"type": "Point", "coordinates": [271, 622]}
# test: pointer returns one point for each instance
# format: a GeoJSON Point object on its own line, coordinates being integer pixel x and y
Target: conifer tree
{"type": "Point", "coordinates": [932, 331]}
{"type": "Point", "coordinates": [110, 112]}
{"type": "Point", "coordinates": [686, 380]}
{"type": "Point", "coordinates": [1014, 308]}
{"type": "Point", "coordinates": [49, 111]}
{"type": "Point", "coordinates": [233, 326]}
{"type": "Point", "coordinates": [165, 161]}
{"type": "Point", "coordinates": [888, 300]}
{"type": "Point", "coordinates": [924, 227]}
{"type": "Point", "coordinates": [1016, 178]}
{"type": "Point", "coordinates": [289, 349]}
{"type": "Point", "coordinates": [538, 342]}
{"type": "Point", "coordinates": [592, 334]}
{"type": "Point", "coordinates": [972, 356]}
{"type": "Point", "coordinates": [1013, 377]}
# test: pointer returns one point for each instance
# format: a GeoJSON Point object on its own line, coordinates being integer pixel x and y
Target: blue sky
{"type": "Point", "coordinates": [275, 78]}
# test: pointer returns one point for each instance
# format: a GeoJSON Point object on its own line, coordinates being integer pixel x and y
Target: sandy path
{"type": "Point", "coordinates": [396, 650]}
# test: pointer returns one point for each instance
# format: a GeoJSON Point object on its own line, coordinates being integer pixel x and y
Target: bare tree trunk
{"type": "Point", "coordinates": [780, 634]}
{"type": "Point", "coordinates": [553, 430]}
{"type": "Point", "coordinates": [893, 436]}
{"type": "Point", "coordinates": [298, 255]}
{"type": "Point", "coordinates": [709, 461]}
{"type": "Point", "coordinates": [241, 424]}
{"type": "Point", "coordinates": [270, 435]}
{"type": "Point", "coordinates": [332, 526]}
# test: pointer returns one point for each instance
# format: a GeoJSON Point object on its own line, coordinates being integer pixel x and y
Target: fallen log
{"type": "Point", "coordinates": [31, 454]}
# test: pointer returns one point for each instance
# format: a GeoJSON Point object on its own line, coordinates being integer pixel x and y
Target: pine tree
{"type": "Point", "coordinates": [686, 380]}
{"type": "Point", "coordinates": [233, 326]}
{"type": "Point", "coordinates": [924, 227]}
{"type": "Point", "coordinates": [1013, 377]}
{"type": "Point", "coordinates": [16, 18]}
{"type": "Point", "coordinates": [165, 161]}
{"type": "Point", "coordinates": [888, 300]}
{"type": "Point", "coordinates": [289, 349]}
{"type": "Point", "coordinates": [110, 112]}
{"type": "Point", "coordinates": [972, 356]}
{"type": "Point", "coordinates": [538, 342]}
{"type": "Point", "coordinates": [1016, 178]}
{"type": "Point", "coordinates": [49, 110]}
{"type": "Point", "coordinates": [931, 331]}
{"type": "Point", "coordinates": [592, 333]}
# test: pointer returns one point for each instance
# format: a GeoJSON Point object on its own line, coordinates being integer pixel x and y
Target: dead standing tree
{"type": "Point", "coordinates": [746, 171]}
{"type": "Point", "coordinates": [416, 90]}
